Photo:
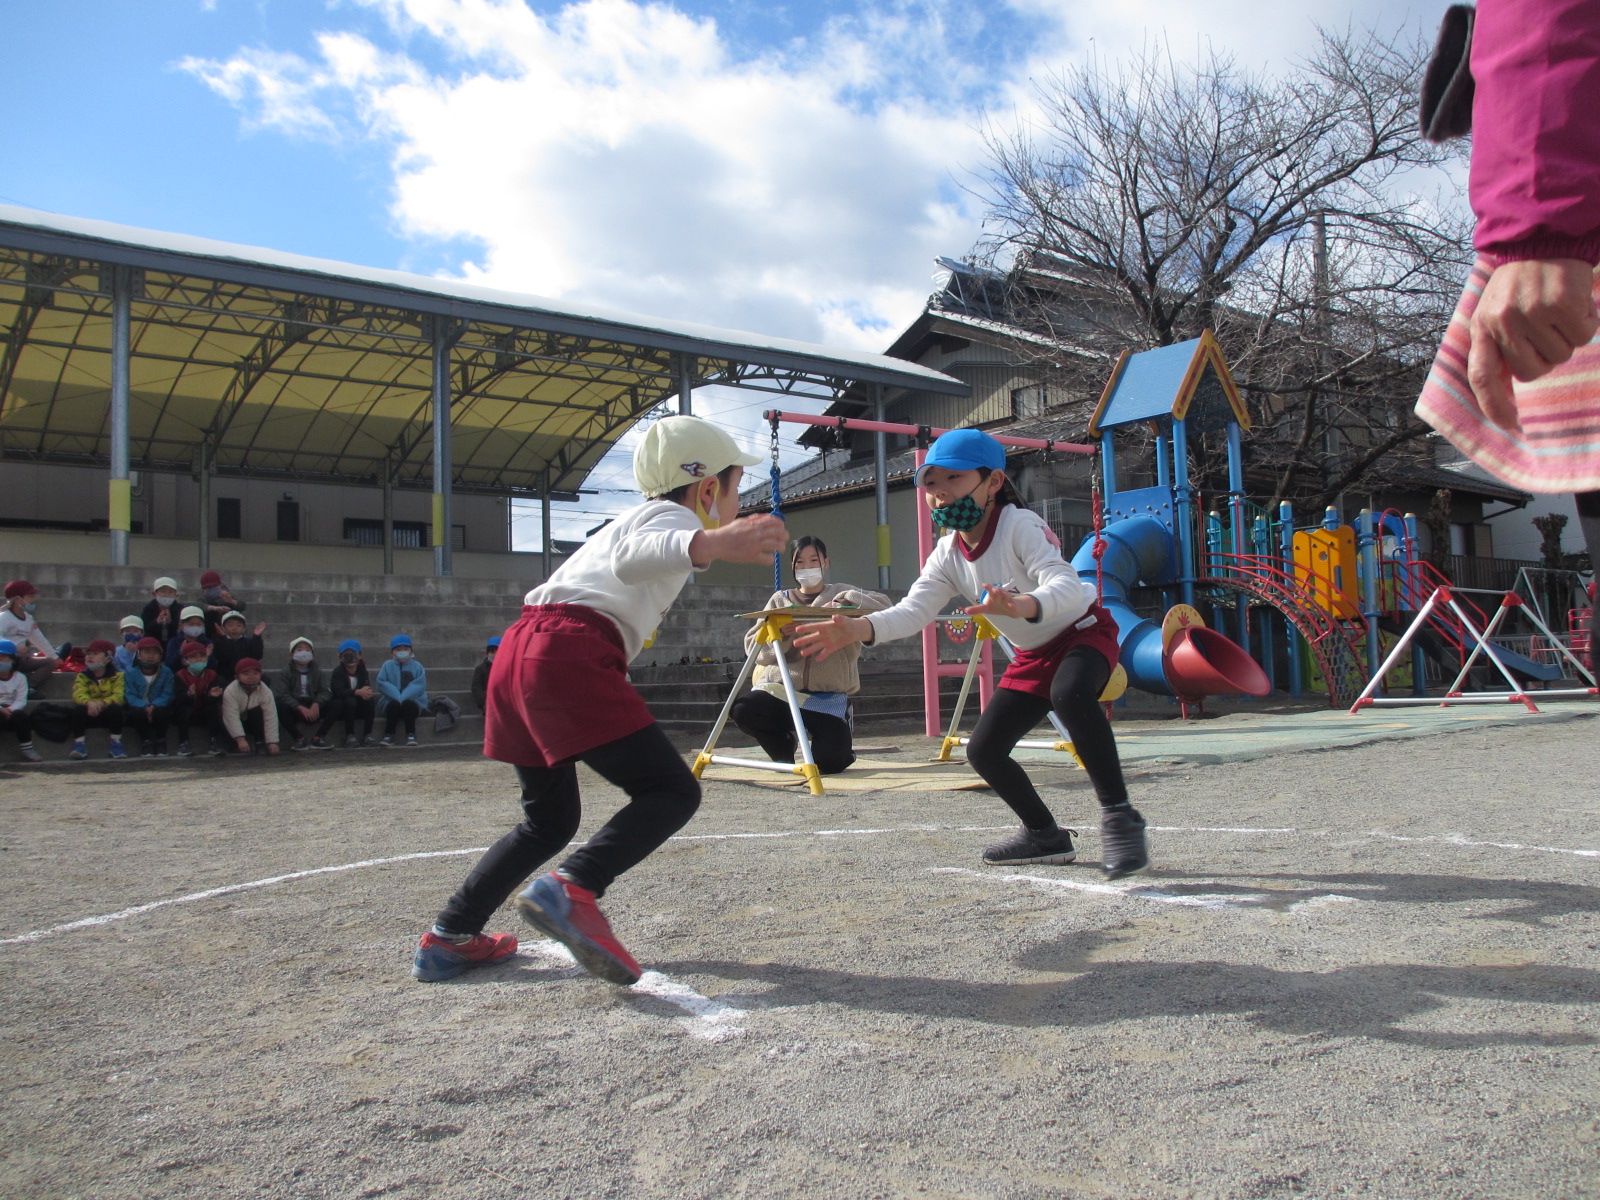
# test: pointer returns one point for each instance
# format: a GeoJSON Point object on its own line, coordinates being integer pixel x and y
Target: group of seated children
{"type": "Point", "coordinates": [203, 667]}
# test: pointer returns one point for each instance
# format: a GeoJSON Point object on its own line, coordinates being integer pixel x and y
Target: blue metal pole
{"type": "Point", "coordinates": [1409, 601]}
{"type": "Point", "coordinates": [1291, 634]}
{"type": "Point", "coordinates": [1367, 547]}
{"type": "Point", "coordinates": [1181, 516]}
{"type": "Point", "coordinates": [443, 468]}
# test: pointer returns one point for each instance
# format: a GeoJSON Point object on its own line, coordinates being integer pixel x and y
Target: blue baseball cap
{"type": "Point", "coordinates": [493, 643]}
{"type": "Point", "coordinates": [400, 639]}
{"type": "Point", "coordinates": [8, 647]}
{"type": "Point", "coordinates": [349, 644]}
{"type": "Point", "coordinates": [964, 450]}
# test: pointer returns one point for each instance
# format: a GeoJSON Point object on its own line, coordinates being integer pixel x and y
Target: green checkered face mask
{"type": "Point", "coordinates": [964, 514]}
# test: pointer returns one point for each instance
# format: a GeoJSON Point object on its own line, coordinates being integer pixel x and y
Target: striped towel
{"type": "Point", "coordinates": [1558, 449]}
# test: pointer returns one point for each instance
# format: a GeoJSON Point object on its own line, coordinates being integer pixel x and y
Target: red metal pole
{"type": "Point", "coordinates": [914, 430]}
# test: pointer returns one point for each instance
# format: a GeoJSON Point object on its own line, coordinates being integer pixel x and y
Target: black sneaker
{"type": "Point", "coordinates": [318, 743]}
{"type": "Point", "coordinates": [1122, 846]}
{"type": "Point", "coordinates": [299, 743]}
{"type": "Point", "coordinates": [1032, 846]}
{"type": "Point", "coordinates": [351, 741]}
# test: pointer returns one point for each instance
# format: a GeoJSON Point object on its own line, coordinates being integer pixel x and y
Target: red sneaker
{"type": "Point", "coordinates": [568, 913]}
{"type": "Point", "coordinates": [439, 958]}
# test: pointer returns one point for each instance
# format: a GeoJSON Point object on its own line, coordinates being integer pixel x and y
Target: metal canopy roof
{"type": "Point", "coordinates": [291, 367]}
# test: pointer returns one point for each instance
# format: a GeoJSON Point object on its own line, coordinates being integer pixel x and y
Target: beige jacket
{"type": "Point", "coordinates": [837, 672]}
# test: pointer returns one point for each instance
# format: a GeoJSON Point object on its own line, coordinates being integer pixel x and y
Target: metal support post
{"type": "Point", "coordinates": [1367, 532]}
{"type": "Point", "coordinates": [1291, 635]}
{"type": "Point", "coordinates": [880, 488]}
{"type": "Point", "coordinates": [388, 516]}
{"type": "Point", "coordinates": [120, 490]}
{"type": "Point", "coordinates": [544, 521]}
{"type": "Point", "coordinates": [443, 467]}
{"type": "Point", "coordinates": [202, 475]}
{"type": "Point", "coordinates": [686, 369]}
{"type": "Point", "coordinates": [1182, 498]}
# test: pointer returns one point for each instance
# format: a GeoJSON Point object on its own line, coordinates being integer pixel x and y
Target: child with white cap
{"type": "Point", "coordinates": [131, 631]}
{"type": "Point", "coordinates": [301, 692]}
{"type": "Point", "coordinates": [191, 628]}
{"type": "Point", "coordinates": [559, 695]}
{"type": "Point", "coordinates": [160, 615]}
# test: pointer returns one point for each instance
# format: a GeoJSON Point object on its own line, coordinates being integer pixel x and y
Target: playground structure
{"type": "Point", "coordinates": [1317, 600]}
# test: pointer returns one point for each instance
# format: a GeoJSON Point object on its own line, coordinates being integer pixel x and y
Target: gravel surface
{"type": "Point", "coordinates": [1361, 972]}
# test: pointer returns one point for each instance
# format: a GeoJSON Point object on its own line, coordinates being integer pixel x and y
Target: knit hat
{"type": "Point", "coordinates": [8, 647]}
{"type": "Point", "coordinates": [349, 644]}
{"type": "Point", "coordinates": [131, 623]}
{"type": "Point", "coordinates": [494, 643]}
{"type": "Point", "coordinates": [148, 644]}
{"type": "Point", "coordinates": [231, 615]}
{"type": "Point", "coordinates": [193, 650]}
{"type": "Point", "coordinates": [164, 581]}
{"type": "Point", "coordinates": [210, 579]}
{"type": "Point", "coordinates": [683, 449]}
{"type": "Point", "coordinates": [100, 646]}
{"type": "Point", "coordinates": [400, 639]}
{"type": "Point", "coordinates": [192, 611]}
{"type": "Point", "coordinates": [296, 642]}
{"type": "Point", "coordinates": [20, 587]}
{"type": "Point", "coordinates": [246, 664]}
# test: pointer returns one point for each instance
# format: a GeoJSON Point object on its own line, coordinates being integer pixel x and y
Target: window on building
{"type": "Point", "coordinates": [458, 537]}
{"type": "Point", "coordinates": [230, 518]}
{"type": "Point", "coordinates": [412, 535]}
{"type": "Point", "coordinates": [408, 535]}
{"type": "Point", "coordinates": [288, 520]}
{"type": "Point", "coordinates": [1028, 401]}
{"type": "Point", "coordinates": [363, 532]}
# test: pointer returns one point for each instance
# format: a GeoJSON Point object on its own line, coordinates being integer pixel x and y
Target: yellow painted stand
{"type": "Point", "coordinates": [1115, 686]}
{"type": "Point", "coordinates": [772, 623]}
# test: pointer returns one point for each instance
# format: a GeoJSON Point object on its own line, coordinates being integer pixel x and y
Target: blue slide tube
{"type": "Point", "coordinates": [1137, 548]}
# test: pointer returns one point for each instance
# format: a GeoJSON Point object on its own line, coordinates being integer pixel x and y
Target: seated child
{"type": "Point", "coordinates": [97, 699]}
{"type": "Point", "coordinates": [301, 693]}
{"type": "Point", "coordinates": [233, 643]}
{"type": "Point", "coordinates": [352, 695]}
{"type": "Point", "coordinates": [216, 601]}
{"type": "Point", "coordinates": [149, 690]}
{"type": "Point", "coordinates": [480, 676]}
{"type": "Point", "coordinates": [160, 614]}
{"type": "Point", "coordinates": [35, 654]}
{"type": "Point", "coordinates": [248, 712]}
{"type": "Point", "coordinates": [131, 631]}
{"type": "Point", "coordinates": [191, 628]}
{"type": "Point", "coordinates": [198, 699]}
{"type": "Point", "coordinates": [14, 703]}
{"type": "Point", "coordinates": [402, 690]}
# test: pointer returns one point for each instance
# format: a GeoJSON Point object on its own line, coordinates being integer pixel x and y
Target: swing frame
{"type": "Point", "coordinates": [771, 632]}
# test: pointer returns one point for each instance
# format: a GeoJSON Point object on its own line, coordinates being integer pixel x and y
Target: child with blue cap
{"type": "Point", "coordinates": [1006, 562]}
{"type": "Point", "coordinates": [14, 702]}
{"type": "Point", "coordinates": [402, 691]}
{"type": "Point", "coordinates": [353, 695]}
{"type": "Point", "coordinates": [480, 676]}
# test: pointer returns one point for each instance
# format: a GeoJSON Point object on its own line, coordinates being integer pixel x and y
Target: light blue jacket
{"type": "Point", "coordinates": [391, 690]}
{"type": "Point", "coordinates": [141, 690]}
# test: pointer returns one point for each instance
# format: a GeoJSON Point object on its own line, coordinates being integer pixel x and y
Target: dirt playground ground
{"type": "Point", "coordinates": [1368, 971]}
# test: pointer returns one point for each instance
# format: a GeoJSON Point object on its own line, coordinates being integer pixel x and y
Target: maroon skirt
{"type": "Point", "coordinates": [559, 687]}
{"type": "Point", "coordinates": [1033, 670]}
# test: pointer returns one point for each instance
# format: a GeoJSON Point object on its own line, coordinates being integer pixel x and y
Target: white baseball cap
{"type": "Point", "coordinates": [131, 623]}
{"type": "Point", "coordinates": [679, 450]}
{"type": "Point", "coordinates": [165, 581]}
{"type": "Point", "coordinates": [192, 611]}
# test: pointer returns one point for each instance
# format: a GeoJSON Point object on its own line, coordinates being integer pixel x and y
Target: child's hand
{"type": "Point", "coordinates": [261, 628]}
{"type": "Point", "coordinates": [244, 746]}
{"type": "Point", "coordinates": [272, 747]}
{"type": "Point", "coordinates": [749, 539]}
{"type": "Point", "coordinates": [215, 693]}
{"type": "Point", "coordinates": [821, 638]}
{"type": "Point", "coordinates": [998, 602]}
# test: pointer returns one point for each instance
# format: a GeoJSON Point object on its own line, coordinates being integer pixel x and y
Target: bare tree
{"type": "Point", "coordinates": [1301, 218]}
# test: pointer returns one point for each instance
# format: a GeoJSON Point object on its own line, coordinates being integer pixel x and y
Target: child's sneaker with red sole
{"type": "Point", "coordinates": [439, 958]}
{"type": "Point", "coordinates": [566, 912]}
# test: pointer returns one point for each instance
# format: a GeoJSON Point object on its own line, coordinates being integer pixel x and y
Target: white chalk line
{"type": "Point", "coordinates": [1145, 891]}
{"type": "Point", "coordinates": [706, 1019]}
{"type": "Point", "coordinates": [290, 876]}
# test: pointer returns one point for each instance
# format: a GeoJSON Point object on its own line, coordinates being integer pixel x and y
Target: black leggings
{"type": "Point", "coordinates": [662, 796]}
{"type": "Point", "coordinates": [767, 719]}
{"type": "Point", "coordinates": [393, 714]}
{"type": "Point", "coordinates": [1075, 696]}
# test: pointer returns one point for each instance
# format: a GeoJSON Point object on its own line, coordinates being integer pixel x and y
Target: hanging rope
{"type": "Point", "coordinates": [777, 505]}
{"type": "Point", "coordinates": [1098, 516]}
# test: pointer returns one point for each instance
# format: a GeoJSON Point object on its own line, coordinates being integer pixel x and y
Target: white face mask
{"type": "Point", "coordinates": [301, 656]}
{"type": "Point", "coordinates": [165, 601]}
{"type": "Point", "coordinates": [194, 630]}
{"type": "Point", "coordinates": [809, 578]}
{"type": "Point", "coordinates": [402, 655]}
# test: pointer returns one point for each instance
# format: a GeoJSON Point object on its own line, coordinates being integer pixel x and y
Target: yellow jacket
{"type": "Point", "coordinates": [108, 689]}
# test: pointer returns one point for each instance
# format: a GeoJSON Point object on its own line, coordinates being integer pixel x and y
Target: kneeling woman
{"type": "Point", "coordinates": [825, 687]}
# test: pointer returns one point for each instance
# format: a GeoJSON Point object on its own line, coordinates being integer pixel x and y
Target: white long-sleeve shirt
{"type": "Point", "coordinates": [1018, 556]}
{"type": "Point", "coordinates": [631, 571]}
{"type": "Point", "coordinates": [24, 631]}
{"type": "Point", "coordinates": [14, 691]}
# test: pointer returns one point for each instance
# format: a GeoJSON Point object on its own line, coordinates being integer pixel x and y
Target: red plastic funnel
{"type": "Point", "coordinates": [1202, 662]}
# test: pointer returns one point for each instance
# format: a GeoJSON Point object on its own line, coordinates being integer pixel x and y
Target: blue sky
{"type": "Point", "coordinates": [788, 169]}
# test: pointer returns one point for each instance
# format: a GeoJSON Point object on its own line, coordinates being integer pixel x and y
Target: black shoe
{"type": "Point", "coordinates": [1032, 846]}
{"type": "Point", "coordinates": [1122, 846]}
{"type": "Point", "coordinates": [299, 743]}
